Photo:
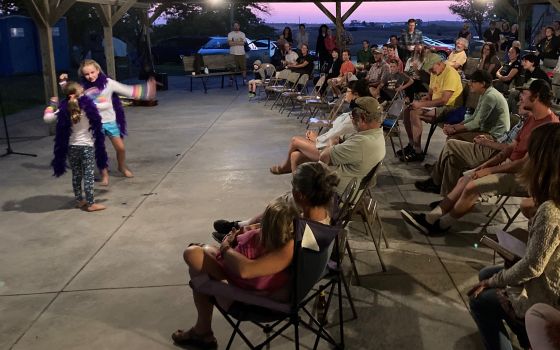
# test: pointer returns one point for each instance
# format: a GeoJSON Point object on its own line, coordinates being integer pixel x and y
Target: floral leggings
{"type": "Point", "coordinates": [82, 163]}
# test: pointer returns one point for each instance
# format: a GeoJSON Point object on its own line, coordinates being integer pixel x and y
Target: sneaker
{"type": "Point", "coordinates": [224, 226]}
{"type": "Point", "coordinates": [406, 150]}
{"type": "Point", "coordinates": [412, 157]}
{"type": "Point", "coordinates": [218, 237]}
{"type": "Point", "coordinates": [434, 204]}
{"type": "Point", "coordinates": [418, 221]}
{"type": "Point", "coordinates": [251, 95]}
{"type": "Point", "coordinates": [427, 186]}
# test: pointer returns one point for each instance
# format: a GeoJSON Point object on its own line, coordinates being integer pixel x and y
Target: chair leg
{"type": "Point", "coordinates": [340, 315]}
{"type": "Point", "coordinates": [433, 128]}
{"type": "Point", "coordinates": [381, 231]}
{"type": "Point", "coordinates": [296, 331]}
{"type": "Point", "coordinates": [349, 296]}
{"type": "Point", "coordinates": [512, 219]}
{"type": "Point", "coordinates": [230, 342]}
{"type": "Point", "coordinates": [491, 218]}
{"type": "Point", "coordinates": [369, 229]}
{"type": "Point", "coordinates": [402, 148]}
{"type": "Point", "coordinates": [353, 263]}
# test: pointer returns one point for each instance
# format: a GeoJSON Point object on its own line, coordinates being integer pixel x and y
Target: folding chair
{"type": "Point", "coordinates": [276, 83]}
{"type": "Point", "coordinates": [299, 89]}
{"type": "Point", "coordinates": [291, 83]}
{"type": "Point", "coordinates": [356, 207]}
{"type": "Point", "coordinates": [500, 206]}
{"type": "Point", "coordinates": [313, 245]}
{"type": "Point", "coordinates": [314, 95]}
{"type": "Point", "coordinates": [267, 71]}
{"type": "Point", "coordinates": [325, 124]}
{"type": "Point", "coordinates": [394, 114]}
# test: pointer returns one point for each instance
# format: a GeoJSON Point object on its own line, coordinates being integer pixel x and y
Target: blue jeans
{"type": "Point", "coordinates": [490, 316]}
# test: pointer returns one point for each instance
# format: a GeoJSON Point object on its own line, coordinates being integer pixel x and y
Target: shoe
{"type": "Point", "coordinates": [412, 157]}
{"type": "Point", "coordinates": [218, 237]}
{"type": "Point", "coordinates": [191, 339]}
{"type": "Point", "coordinates": [406, 150]}
{"type": "Point", "coordinates": [418, 221]}
{"type": "Point", "coordinates": [427, 186]}
{"type": "Point", "coordinates": [224, 226]}
{"type": "Point", "coordinates": [434, 204]}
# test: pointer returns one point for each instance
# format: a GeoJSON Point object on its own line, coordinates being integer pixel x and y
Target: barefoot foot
{"type": "Point", "coordinates": [95, 207]}
{"type": "Point", "coordinates": [81, 204]}
{"type": "Point", "coordinates": [126, 172]}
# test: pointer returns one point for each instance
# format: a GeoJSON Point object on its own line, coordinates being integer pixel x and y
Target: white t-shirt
{"type": "Point", "coordinates": [103, 99]}
{"type": "Point", "coordinates": [238, 36]}
{"type": "Point", "coordinates": [291, 57]}
{"type": "Point", "coordinates": [81, 135]}
{"type": "Point", "coordinates": [342, 125]}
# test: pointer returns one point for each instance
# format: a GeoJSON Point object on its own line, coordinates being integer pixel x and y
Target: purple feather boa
{"type": "Point", "coordinates": [64, 129]}
{"type": "Point", "coordinates": [100, 83]}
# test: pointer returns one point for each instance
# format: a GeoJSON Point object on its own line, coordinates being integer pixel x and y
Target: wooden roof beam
{"type": "Point", "coordinates": [60, 10]}
{"type": "Point", "coordinates": [351, 10]}
{"type": "Point", "coordinates": [325, 10]}
{"type": "Point", "coordinates": [141, 5]}
{"type": "Point", "coordinates": [121, 11]}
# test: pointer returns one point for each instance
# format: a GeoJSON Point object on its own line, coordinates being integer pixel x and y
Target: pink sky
{"type": "Point", "coordinates": [368, 11]}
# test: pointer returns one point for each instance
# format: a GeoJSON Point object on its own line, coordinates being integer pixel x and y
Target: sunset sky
{"type": "Point", "coordinates": [368, 11]}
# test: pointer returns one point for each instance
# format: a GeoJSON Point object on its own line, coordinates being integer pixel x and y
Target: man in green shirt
{"type": "Point", "coordinates": [491, 116]}
{"type": "Point", "coordinates": [364, 56]}
{"type": "Point", "coordinates": [490, 121]}
{"type": "Point", "coordinates": [353, 156]}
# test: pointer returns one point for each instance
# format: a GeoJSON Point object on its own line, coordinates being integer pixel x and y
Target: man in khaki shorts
{"type": "Point", "coordinates": [497, 176]}
{"type": "Point", "coordinates": [236, 42]}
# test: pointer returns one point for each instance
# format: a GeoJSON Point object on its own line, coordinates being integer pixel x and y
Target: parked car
{"type": "Point", "coordinates": [170, 50]}
{"type": "Point", "coordinates": [261, 49]}
{"type": "Point", "coordinates": [438, 47]}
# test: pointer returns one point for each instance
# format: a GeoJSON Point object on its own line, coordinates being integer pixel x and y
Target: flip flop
{"type": "Point", "coordinates": [205, 341]}
{"type": "Point", "coordinates": [276, 170]}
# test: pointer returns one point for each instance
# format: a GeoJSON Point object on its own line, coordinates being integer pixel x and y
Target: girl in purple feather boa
{"type": "Point", "coordinates": [105, 94]}
{"type": "Point", "coordinates": [79, 137]}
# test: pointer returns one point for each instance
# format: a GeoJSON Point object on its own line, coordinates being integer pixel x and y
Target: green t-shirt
{"type": "Point", "coordinates": [357, 155]}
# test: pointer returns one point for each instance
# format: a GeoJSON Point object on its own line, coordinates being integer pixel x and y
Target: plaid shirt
{"type": "Point", "coordinates": [408, 39]}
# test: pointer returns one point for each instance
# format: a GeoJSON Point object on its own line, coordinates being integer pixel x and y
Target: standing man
{"type": "Point", "coordinates": [549, 47]}
{"type": "Point", "coordinates": [410, 37]}
{"type": "Point", "coordinates": [492, 35]}
{"type": "Point", "coordinates": [302, 37]}
{"type": "Point", "coordinates": [236, 42]}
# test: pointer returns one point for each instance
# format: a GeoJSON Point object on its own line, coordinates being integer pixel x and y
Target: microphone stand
{"type": "Point", "coordinates": [9, 149]}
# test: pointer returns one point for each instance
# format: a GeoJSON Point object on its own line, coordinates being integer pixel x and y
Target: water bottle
{"type": "Point", "coordinates": [206, 70]}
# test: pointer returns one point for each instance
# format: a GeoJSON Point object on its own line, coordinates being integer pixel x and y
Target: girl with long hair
{"type": "Point", "coordinates": [105, 92]}
{"type": "Point", "coordinates": [79, 137]}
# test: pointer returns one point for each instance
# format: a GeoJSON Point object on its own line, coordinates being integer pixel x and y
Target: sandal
{"type": "Point", "coordinates": [277, 170]}
{"type": "Point", "coordinates": [204, 341]}
{"type": "Point", "coordinates": [412, 157]}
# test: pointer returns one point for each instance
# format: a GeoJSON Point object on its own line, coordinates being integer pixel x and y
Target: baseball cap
{"type": "Point", "coordinates": [369, 105]}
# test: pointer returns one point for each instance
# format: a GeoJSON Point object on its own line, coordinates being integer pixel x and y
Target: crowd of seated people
{"type": "Point", "coordinates": [484, 155]}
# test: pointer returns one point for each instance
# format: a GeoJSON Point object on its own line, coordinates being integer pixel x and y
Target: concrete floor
{"type": "Point", "coordinates": [115, 279]}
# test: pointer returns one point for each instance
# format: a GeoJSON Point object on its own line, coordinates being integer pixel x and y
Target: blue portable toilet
{"type": "Point", "coordinates": [20, 51]}
{"type": "Point", "coordinates": [19, 46]}
{"type": "Point", "coordinates": [60, 45]}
